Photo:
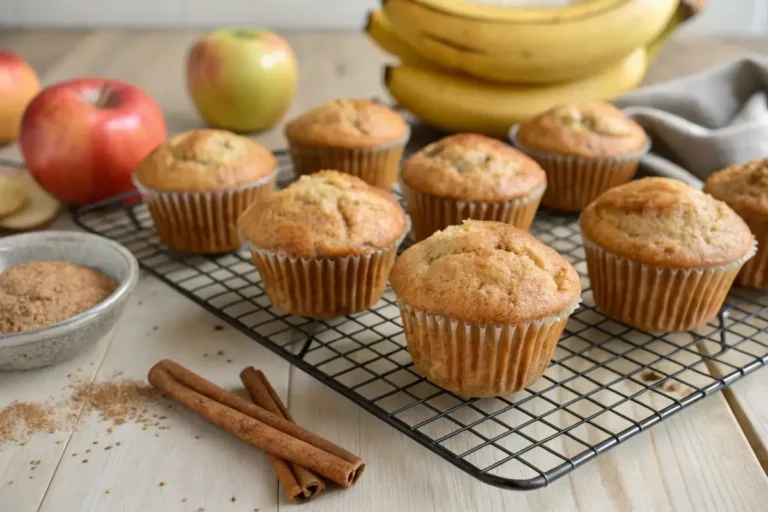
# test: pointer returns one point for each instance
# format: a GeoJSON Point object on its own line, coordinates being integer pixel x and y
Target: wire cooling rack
{"type": "Point", "coordinates": [607, 382]}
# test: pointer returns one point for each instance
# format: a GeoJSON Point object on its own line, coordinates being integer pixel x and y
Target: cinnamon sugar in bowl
{"type": "Point", "coordinates": [59, 292]}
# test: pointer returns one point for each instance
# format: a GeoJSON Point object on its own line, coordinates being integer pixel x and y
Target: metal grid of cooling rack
{"type": "Point", "coordinates": [606, 383]}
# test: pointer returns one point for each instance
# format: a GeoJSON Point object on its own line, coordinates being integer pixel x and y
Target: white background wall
{"type": "Point", "coordinates": [742, 17]}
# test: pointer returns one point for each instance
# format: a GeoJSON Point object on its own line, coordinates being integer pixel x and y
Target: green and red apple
{"type": "Point", "coordinates": [242, 80]}
{"type": "Point", "coordinates": [18, 85]}
{"type": "Point", "coordinates": [82, 139]}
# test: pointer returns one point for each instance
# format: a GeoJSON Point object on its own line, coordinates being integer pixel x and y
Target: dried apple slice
{"type": "Point", "coordinates": [38, 211]}
{"type": "Point", "coordinates": [12, 196]}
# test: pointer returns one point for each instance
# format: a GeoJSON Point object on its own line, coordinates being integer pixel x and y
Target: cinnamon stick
{"type": "Point", "coordinates": [255, 425]}
{"type": "Point", "coordinates": [300, 484]}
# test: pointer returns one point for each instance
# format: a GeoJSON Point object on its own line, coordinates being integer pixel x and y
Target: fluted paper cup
{"type": "Point", "coordinates": [431, 213]}
{"type": "Point", "coordinates": [658, 298]}
{"type": "Point", "coordinates": [476, 360]}
{"type": "Point", "coordinates": [575, 181]}
{"type": "Point", "coordinates": [377, 166]}
{"type": "Point", "coordinates": [754, 273]}
{"type": "Point", "coordinates": [325, 287]}
{"type": "Point", "coordinates": [203, 222]}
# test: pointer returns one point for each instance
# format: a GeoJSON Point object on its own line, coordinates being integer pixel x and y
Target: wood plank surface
{"type": "Point", "coordinates": [697, 460]}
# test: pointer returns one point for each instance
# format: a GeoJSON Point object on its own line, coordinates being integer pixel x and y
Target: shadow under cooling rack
{"type": "Point", "coordinates": [606, 383]}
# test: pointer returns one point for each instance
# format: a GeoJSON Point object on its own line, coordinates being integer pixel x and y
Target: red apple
{"type": "Point", "coordinates": [18, 85]}
{"type": "Point", "coordinates": [82, 139]}
{"type": "Point", "coordinates": [241, 80]}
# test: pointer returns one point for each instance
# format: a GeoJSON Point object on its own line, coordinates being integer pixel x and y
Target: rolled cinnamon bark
{"type": "Point", "coordinates": [255, 425]}
{"type": "Point", "coordinates": [299, 484]}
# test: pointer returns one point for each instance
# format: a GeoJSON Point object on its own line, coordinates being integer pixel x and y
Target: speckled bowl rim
{"type": "Point", "coordinates": [123, 289]}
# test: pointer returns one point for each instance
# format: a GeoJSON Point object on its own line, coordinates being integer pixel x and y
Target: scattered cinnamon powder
{"type": "Point", "coordinates": [42, 293]}
{"type": "Point", "coordinates": [117, 401]}
{"type": "Point", "coordinates": [21, 419]}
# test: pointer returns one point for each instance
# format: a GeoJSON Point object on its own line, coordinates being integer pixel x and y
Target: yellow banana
{"type": "Point", "coordinates": [685, 10]}
{"type": "Point", "coordinates": [379, 30]}
{"type": "Point", "coordinates": [479, 10]}
{"type": "Point", "coordinates": [457, 103]}
{"type": "Point", "coordinates": [528, 46]}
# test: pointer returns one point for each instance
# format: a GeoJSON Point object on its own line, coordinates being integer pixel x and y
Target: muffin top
{"type": "Point", "coordinates": [485, 272]}
{"type": "Point", "coordinates": [472, 167]}
{"type": "Point", "coordinates": [591, 129]}
{"type": "Point", "coordinates": [351, 123]}
{"type": "Point", "coordinates": [666, 223]}
{"type": "Point", "coordinates": [326, 214]}
{"type": "Point", "coordinates": [744, 187]}
{"type": "Point", "coordinates": [204, 160]}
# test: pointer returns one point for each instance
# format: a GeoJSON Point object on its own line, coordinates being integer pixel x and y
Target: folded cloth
{"type": "Point", "coordinates": [704, 122]}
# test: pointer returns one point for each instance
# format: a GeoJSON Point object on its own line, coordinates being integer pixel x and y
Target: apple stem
{"type": "Point", "coordinates": [104, 93]}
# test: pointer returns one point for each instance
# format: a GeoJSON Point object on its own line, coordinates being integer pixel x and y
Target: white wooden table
{"type": "Point", "coordinates": [709, 457]}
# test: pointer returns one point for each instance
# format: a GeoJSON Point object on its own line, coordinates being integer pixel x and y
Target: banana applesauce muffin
{"type": "Point", "coordinates": [585, 149]}
{"type": "Point", "coordinates": [42, 293]}
{"type": "Point", "coordinates": [324, 244]}
{"type": "Point", "coordinates": [356, 136]}
{"type": "Point", "coordinates": [197, 184]}
{"type": "Point", "coordinates": [483, 306]}
{"type": "Point", "coordinates": [661, 254]}
{"type": "Point", "coordinates": [470, 176]}
{"type": "Point", "coordinates": [744, 188]}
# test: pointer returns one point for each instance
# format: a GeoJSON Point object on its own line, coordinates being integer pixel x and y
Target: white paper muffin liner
{"type": "Point", "coordinates": [658, 298]}
{"type": "Point", "coordinates": [431, 213]}
{"type": "Point", "coordinates": [575, 181]}
{"type": "Point", "coordinates": [477, 360]}
{"type": "Point", "coordinates": [377, 166]}
{"type": "Point", "coordinates": [325, 287]}
{"type": "Point", "coordinates": [203, 222]}
{"type": "Point", "coordinates": [754, 273]}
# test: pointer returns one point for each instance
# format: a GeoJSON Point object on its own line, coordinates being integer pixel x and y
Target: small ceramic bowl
{"type": "Point", "coordinates": [50, 345]}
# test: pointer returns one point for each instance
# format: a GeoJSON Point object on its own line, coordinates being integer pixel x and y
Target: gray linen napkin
{"type": "Point", "coordinates": [704, 122]}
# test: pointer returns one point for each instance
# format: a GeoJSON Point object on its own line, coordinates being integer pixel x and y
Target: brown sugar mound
{"type": "Point", "coordinates": [42, 293]}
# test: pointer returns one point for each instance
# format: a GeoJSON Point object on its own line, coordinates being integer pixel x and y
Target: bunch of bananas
{"type": "Point", "coordinates": [473, 65]}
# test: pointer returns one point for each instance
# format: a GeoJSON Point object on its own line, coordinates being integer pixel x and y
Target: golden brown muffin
{"type": "Point", "coordinates": [198, 183]}
{"type": "Point", "coordinates": [327, 214]}
{"type": "Point", "coordinates": [666, 223]}
{"type": "Point", "coordinates": [661, 254]}
{"type": "Point", "coordinates": [591, 129]}
{"type": "Point", "coordinates": [483, 306]}
{"type": "Point", "coordinates": [353, 123]}
{"type": "Point", "coordinates": [201, 160]}
{"type": "Point", "coordinates": [585, 150]}
{"type": "Point", "coordinates": [470, 176]}
{"type": "Point", "coordinates": [744, 188]}
{"type": "Point", "coordinates": [359, 137]}
{"type": "Point", "coordinates": [324, 245]}
{"type": "Point", "coordinates": [472, 167]}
